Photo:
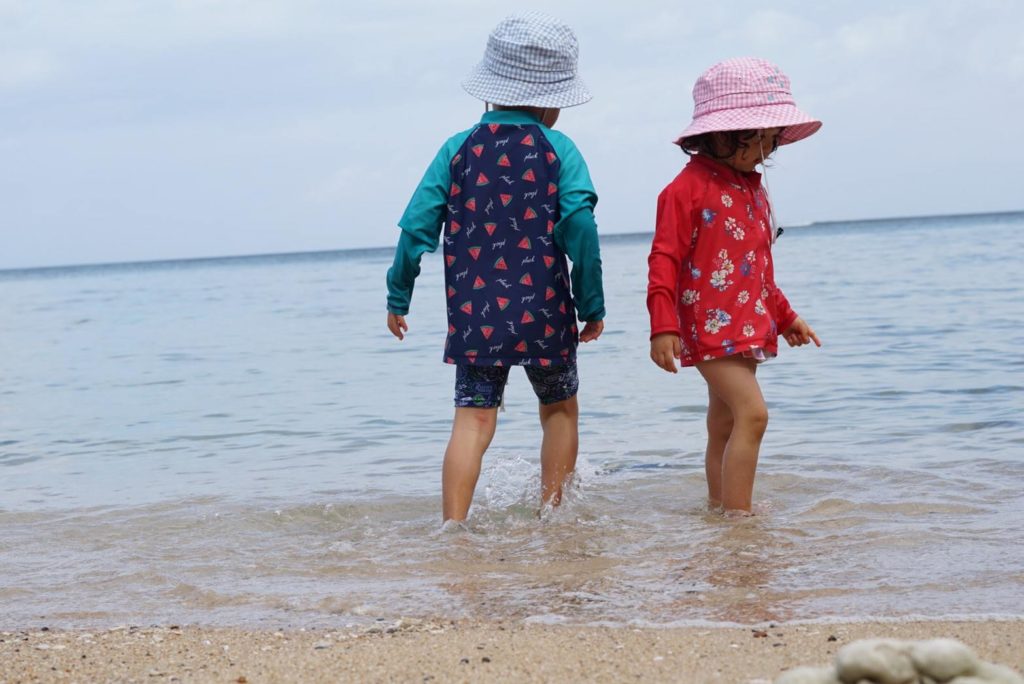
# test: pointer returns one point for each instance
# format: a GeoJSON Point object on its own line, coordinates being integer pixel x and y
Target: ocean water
{"type": "Point", "coordinates": [240, 442]}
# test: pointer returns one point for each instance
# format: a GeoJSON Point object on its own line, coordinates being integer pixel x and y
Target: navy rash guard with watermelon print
{"type": "Point", "coordinates": [510, 198]}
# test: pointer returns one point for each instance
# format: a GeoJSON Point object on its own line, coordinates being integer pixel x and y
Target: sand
{"type": "Point", "coordinates": [425, 651]}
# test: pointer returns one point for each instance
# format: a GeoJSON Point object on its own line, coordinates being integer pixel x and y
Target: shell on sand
{"type": "Point", "coordinates": [885, 661]}
{"type": "Point", "coordinates": [893, 661]}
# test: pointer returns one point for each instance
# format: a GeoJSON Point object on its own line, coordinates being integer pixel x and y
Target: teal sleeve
{"type": "Point", "coordinates": [575, 189]}
{"type": "Point", "coordinates": [406, 266]}
{"type": "Point", "coordinates": [576, 230]}
{"type": "Point", "coordinates": [576, 235]}
{"type": "Point", "coordinates": [421, 226]}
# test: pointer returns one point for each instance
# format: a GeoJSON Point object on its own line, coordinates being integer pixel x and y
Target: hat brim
{"type": "Point", "coordinates": [796, 124]}
{"type": "Point", "coordinates": [484, 84]}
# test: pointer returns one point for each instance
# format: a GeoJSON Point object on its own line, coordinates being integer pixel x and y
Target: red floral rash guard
{"type": "Point", "coordinates": [711, 280]}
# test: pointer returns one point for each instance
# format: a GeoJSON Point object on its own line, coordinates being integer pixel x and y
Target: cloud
{"type": "Point", "coordinates": [27, 68]}
{"type": "Point", "coordinates": [207, 125]}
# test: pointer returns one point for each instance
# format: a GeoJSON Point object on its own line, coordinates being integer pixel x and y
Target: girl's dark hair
{"type": "Point", "coordinates": [720, 144]}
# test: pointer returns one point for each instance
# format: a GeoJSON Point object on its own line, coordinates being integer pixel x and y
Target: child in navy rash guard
{"type": "Point", "coordinates": [511, 198]}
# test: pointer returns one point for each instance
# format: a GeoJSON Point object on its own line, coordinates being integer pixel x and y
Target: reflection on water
{"type": "Point", "coordinates": [240, 442]}
{"type": "Point", "coordinates": [598, 559]}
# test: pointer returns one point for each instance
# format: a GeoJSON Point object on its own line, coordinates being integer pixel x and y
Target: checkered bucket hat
{"type": "Point", "coordinates": [530, 61]}
{"type": "Point", "coordinates": [745, 94]}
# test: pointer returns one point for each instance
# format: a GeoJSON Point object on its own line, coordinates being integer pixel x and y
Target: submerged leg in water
{"type": "Point", "coordinates": [560, 422]}
{"type": "Point", "coordinates": [736, 404]}
{"type": "Point", "coordinates": [472, 431]}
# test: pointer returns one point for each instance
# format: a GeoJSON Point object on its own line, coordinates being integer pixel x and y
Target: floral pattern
{"type": "Point", "coordinates": [734, 228]}
{"type": "Point", "coordinates": [717, 319]}
{"type": "Point", "coordinates": [720, 278]}
{"type": "Point", "coordinates": [737, 308]}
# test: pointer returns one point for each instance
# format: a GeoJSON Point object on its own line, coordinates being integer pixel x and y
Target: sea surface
{"type": "Point", "coordinates": [241, 442]}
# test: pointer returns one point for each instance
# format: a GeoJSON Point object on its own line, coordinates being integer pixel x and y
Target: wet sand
{"type": "Point", "coordinates": [425, 651]}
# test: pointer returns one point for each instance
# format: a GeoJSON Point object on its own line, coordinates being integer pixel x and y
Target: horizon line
{"type": "Point", "coordinates": [358, 250]}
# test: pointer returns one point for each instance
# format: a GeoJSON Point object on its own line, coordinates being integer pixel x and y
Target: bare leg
{"type": "Point", "coordinates": [472, 431]}
{"type": "Point", "coordinates": [560, 422]}
{"type": "Point", "coordinates": [719, 425]}
{"type": "Point", "coordinates": [732, 380]}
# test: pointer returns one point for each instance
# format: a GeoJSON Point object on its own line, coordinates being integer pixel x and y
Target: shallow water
{"type": "Point", "coordinates": [240, 442]}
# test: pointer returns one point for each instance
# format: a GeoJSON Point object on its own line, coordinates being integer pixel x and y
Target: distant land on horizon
{"type": "Point", "coordinates": [353, 251]}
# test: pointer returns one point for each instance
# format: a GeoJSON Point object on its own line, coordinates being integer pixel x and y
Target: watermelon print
{"type": "Point", "coordinates": [513, 282]}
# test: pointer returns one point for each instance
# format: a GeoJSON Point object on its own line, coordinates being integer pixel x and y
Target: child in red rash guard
{"type": "Point", "coordinates": [711, 288]}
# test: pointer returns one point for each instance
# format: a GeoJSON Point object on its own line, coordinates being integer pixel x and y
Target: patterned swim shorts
{"type": "Point", "coordinates": [484, 386]}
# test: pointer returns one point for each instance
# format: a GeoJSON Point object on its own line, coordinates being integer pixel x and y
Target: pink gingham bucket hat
{"type": "Point", "coordinates": [744, 94]}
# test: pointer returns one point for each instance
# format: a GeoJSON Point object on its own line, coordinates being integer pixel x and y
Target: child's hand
{"type": "Point", "coordinates": [665, 349]}
{"type": "Point", "coordinates": [591, 331]}
{"type": "Point", "coordinates": [800, 334]}
{"type": "Point", "coordinates": [396, 324]}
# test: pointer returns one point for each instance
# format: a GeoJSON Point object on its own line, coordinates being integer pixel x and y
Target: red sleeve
{"type": "Point", "coordinates": [668, 252]}
{"type": "Point", "coordinates": [784, 314]}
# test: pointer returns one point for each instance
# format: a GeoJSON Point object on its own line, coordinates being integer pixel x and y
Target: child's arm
{"type": "Point", "coordinates": [668, 251]}
{"type": "Point", "coordinates": [421, 230]}
{"type": "Point", "coordinates": [800, 333]}
{"type": "Point", "coordinates": [576, 235]}
{"type": "Point", "coordinates": [794, 329]}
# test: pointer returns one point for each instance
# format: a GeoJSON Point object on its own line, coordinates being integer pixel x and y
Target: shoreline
{"type": "Point", "coordinates": [442, 650]}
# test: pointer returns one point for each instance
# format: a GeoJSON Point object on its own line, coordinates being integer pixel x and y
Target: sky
{"type": "Point", "coordinates": [158, 130]}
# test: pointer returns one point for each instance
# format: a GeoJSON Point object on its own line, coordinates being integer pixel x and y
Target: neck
{"type": "Point", "coordinates": [735, 164]}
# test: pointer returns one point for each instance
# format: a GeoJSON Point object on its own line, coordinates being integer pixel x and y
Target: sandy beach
{"type": "Point", "coordinates": [425, 651]}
